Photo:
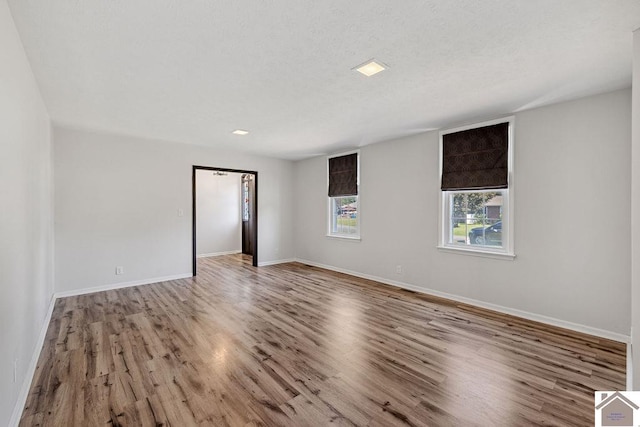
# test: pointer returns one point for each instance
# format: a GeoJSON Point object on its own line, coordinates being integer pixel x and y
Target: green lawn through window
{"type": "Point", "coordinates": [464, 229]}
{"type": "Point", "coordinates": [348, 222]}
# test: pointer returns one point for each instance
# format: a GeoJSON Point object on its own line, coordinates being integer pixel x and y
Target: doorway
{"type": "Point", "coordinates": [249, 196]}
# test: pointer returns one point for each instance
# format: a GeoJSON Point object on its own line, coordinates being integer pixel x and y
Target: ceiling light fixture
{"type": "Point", "coordinates": [370, 67]}
{"type": "Point", "coordinates": [240, 132]}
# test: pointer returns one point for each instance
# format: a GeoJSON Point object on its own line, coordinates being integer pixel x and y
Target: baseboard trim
{"type": "Point", "coordinates": [278, 261]}
{"type": "Point", "coordinates": [31, 369]}
{"type": "Point", "coordinates": [212, 254]}
{"type": "Point", "coordinates": [614, 336]}
{"type": "Point", "coordinates": [121, 285]}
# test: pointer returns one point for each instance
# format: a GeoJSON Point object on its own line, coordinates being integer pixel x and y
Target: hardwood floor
{"type": "Point", "coordinates": [297, 345]}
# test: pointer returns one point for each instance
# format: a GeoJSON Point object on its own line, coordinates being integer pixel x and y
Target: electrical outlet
{"type": "Point", "coordinates": [398, 269]}
{"type": "Point", "coordinates": [119, 270]}
{"type": "Point", "coordinates": [180, 212]}
{"type": "Point", "coordinates": [15, 371]}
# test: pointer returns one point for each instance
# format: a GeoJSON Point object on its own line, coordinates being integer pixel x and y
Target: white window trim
{"type": "Point", "coordinates": [352, 237]}
{"type": "Point", "coordinates": [508, 251]}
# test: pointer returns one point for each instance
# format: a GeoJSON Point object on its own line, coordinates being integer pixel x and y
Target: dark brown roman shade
{"type": "Point", "coordinates": [343, 175]}
{"type": "Point", "coordinates": [476, 159]}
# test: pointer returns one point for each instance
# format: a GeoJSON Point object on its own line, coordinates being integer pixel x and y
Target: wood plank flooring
{"type": "Point", "coordinates": [301, 346]}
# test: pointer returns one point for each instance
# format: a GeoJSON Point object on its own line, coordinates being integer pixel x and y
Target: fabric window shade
{"type": "Point", "coordinates": [476, 159]}
{"type": "Point", "coordinates": [343, 175]}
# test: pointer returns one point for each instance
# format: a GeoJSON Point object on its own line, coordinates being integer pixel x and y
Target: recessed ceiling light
{"type": "Point", "coordinates": [370, 68]}
{"type": "Point", "coordinates": [240, 132]}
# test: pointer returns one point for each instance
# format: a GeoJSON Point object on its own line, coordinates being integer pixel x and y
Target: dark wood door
{"type": "Point", "coordinates": [248, 219]}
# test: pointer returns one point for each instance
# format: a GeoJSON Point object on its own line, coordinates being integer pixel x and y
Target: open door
{"type": "Point", "coordinates": [249, 226]}
{"type": "Point", "coordinates": [248, 201]}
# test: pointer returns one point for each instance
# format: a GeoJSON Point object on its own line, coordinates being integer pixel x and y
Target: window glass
{"type": "Point", "coordinates": [344, 212]}
{"type": "Point", "coordinates": [476, 218]}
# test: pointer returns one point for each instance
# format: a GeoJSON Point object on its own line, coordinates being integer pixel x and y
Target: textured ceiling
{"type": "Point", "coordinates": [193, 71]}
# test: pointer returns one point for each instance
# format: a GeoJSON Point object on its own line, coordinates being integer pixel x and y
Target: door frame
{"type": "Point", "coordinates": [254, 211]}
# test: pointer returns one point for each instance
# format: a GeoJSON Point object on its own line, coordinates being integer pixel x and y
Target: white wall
{"type": "Point", "coordinates": [26, 227]}
{"type": "Point", "coordinates": [117, 200]}
{"type": "Point", "coordinates": [572, 216]}
{"type": "Point", "coordinates": [218, 213]}
{"type": "Point", "coordinates": [635, 212]}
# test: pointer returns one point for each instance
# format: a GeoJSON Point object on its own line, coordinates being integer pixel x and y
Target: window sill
{"type": "Point", "coordinates": [477, 252]}
{"type": "Point", "coordinates": [344, 237]}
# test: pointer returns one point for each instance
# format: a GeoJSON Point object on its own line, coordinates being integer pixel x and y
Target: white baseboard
{"type": "Point", "coordinates": [31, 369]}
{"type": "Point", "coordinates": [278, 261]}
{"type": "Point", "coordinates": [121, 285]}
{"type": "Point", "coordinates": [614, 336]}
{"type": "Point", "coordinates": [212, 254]}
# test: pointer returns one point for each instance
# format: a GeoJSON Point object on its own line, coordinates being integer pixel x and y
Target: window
{"type": "Point", "coordinates": [344, 206]}
{"type": "Point", "coordinates": [476, 189]}
{"type": "Point", "coordinates": [245, 197]}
